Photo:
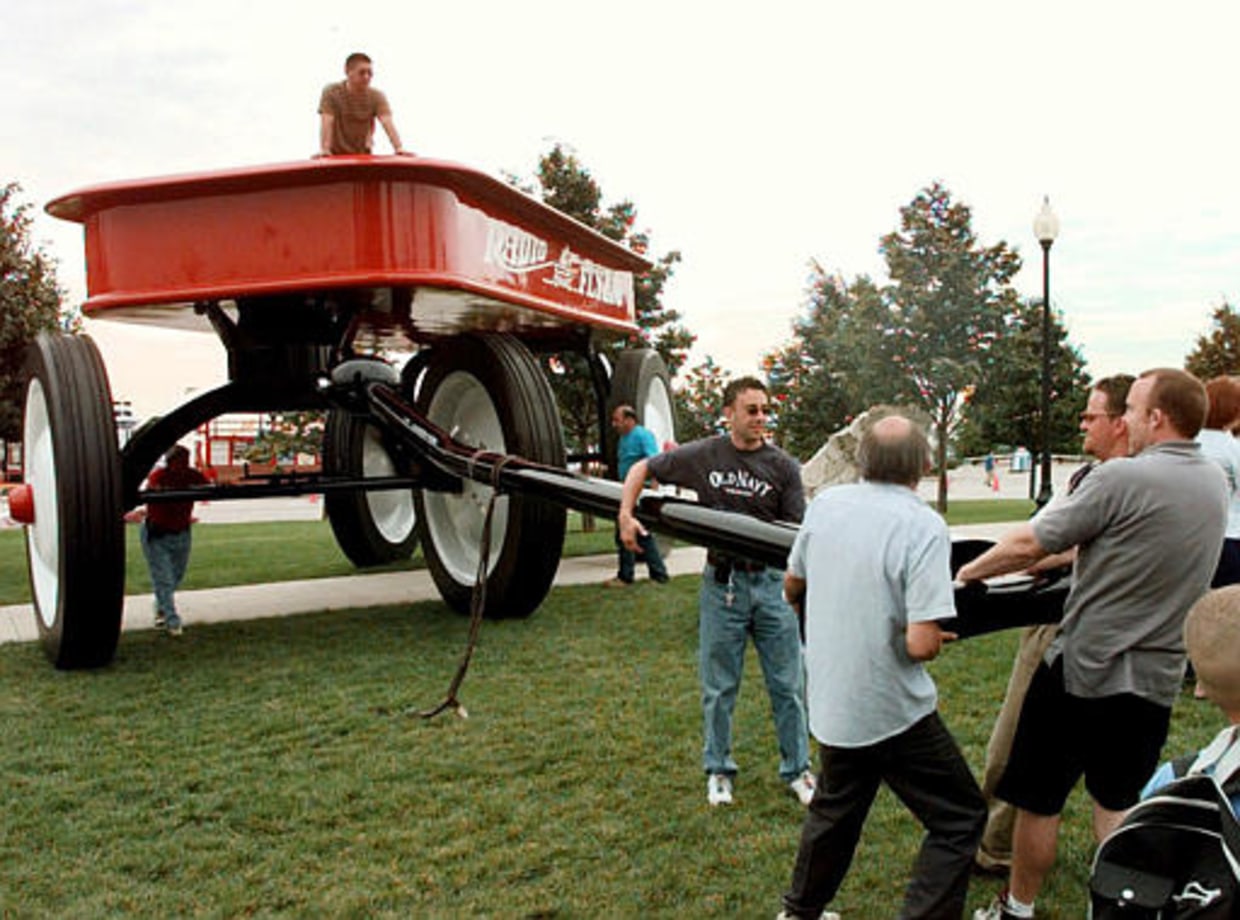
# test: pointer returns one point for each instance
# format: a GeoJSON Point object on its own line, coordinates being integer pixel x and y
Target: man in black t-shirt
{"type": "Point", "coordinates": [739, 472]}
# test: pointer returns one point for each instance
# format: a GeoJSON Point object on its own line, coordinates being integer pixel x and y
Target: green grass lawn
{"type": "Point", "coordinates": [266, 551]}
{"type": "Point", "coordinates": [272, 768]}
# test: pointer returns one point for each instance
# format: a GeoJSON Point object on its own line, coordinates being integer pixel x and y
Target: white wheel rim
{"type": "Point", "coordinates": [391, 510]}
{"type": "Point", "coordinates": [43, 536]}
{"type": "Point", "coordinates": [463, 408]}
{"type": "Point", "coordinates": [657, 412]}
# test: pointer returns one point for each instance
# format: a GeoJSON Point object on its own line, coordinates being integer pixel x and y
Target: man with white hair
{"type": "Point", "coordinates": [871, 568]}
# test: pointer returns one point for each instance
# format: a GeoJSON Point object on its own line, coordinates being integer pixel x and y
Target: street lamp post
{"type": "Point", "coordinates": [1046, 228]}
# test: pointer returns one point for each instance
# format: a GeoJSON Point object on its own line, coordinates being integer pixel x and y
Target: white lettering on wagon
{"type": "Point", "coordinates": [589, 279]}
{"type": "Point", "coordinates": [513, 249]}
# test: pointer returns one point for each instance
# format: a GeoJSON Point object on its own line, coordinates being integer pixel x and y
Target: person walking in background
{"type": "Point", "coordinates": [740, 472]}
{"type": "Point", "coordinates": [1218, 442]}
{"type": "Point", "coordinates": [165, 535]}
{"type": "Point", "coordinates": [635, 442]}
{"type": "Point", "coordinates": [1147, 531]}
{"type": "Point", "coordinates": [871, 569]}
{"type": "Point", "coordinates": [1105, 438]}
{"type": "Point", "coordinates": [992, 474]}
{"type": "Point", "coordinates": [348, 111]}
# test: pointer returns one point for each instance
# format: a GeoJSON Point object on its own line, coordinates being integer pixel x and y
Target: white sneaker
{"type": "Point", "coordinates": [719, 789]}
{"type": "Point", "coordinates": [803, 787]}
{"type": "Point", "coordinates": [826, 915]}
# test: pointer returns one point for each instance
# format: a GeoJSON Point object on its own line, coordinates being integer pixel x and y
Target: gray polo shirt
{"type": "Point", "coordinates": [875, 558]}
{"type": "Point", "coordinates": [1149, 529]}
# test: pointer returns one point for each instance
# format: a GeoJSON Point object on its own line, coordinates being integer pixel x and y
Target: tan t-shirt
{"type": "Point", "coordinates": [353, 116]}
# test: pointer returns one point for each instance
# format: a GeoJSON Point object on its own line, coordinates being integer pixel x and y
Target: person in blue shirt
{"type": "Point", "coordinates": [636, 442]}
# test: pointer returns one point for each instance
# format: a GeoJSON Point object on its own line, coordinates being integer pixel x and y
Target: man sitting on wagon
{"type": "Point", "coordinates": [348, 109]}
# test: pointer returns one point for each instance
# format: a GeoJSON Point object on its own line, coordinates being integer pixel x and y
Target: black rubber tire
{"type": "Point", "coordinates": [75, 550]}
{"type": "Point", "coordinates": [641, 380]}
{"type": "Point", "coordinates": [492, 392]}
{"type": "Point", "coordinates": [371, 528]}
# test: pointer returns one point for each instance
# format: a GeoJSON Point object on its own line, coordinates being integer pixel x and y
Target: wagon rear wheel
{"type": "Point", "coordinates": [641, 380]}
{"type": "Point", "coordinates": [75, 549]}
{"type": "Point", "coordinates": [489, 393]}
{"type": "Point", "coordinates": [371, 528]}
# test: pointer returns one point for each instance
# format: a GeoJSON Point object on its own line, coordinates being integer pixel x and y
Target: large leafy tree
{"type": "Point", "coordinates": [1005, 409]}
{"type": "Point", "coordinates": [1218, 352]}
{"type": "Point", "coordinates": [927, 339]}
{"type": "Point", "coordinates": [566, 185]}
{"type": "Point", "coordinates": [30, 303]}
{"type": "Point", "coordinates": [949, 298]}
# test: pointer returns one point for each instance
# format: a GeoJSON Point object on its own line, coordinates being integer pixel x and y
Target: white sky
{"type": "Point", "coordinates": [752, 137]}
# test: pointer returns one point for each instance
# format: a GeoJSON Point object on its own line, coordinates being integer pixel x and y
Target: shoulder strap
{"type": "Point", "coordinates": [1222, 755]}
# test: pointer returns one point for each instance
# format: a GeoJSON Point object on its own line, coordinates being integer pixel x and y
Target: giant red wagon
{"type": "Point", "coordinates": [303, 269]}
{"type": "Point", "coordinates": [312, 275]}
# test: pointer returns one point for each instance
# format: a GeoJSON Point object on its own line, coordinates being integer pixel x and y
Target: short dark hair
{"type": "Point", "coordinates": [627, 411]}
{"type": "Point", "coordinates": [738, 386]}
{"type": "Point", "coordinates": [1224, 395]}
{"type": "Point", "coordinates": [1115, 388]}
{"type": "Point", "coordinates": [177, 453]}
{"type": "Point", "coordinates": [357, 57]}
{"type": "Point", "coordinates": [1181, 397]}
{"type": "Point", "coordinates": [898, 456]}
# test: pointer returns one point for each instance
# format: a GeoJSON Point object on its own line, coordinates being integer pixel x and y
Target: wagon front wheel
{"type": "Point", "coordinates": [75, 547]}
{"type": "Point", "coordinates": [489, 393]}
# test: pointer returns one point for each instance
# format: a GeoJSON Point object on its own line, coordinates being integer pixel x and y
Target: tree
{"type": "Point", "coordinates": [837, 364]}
{"type": "Point", "coordinates": [699, 401]}
{"type": "Point", "coordinates": [1006, 406]}
{"type": "Point", "coordinates": [29, 303]}
{"type": "Point", "coordinates": [948, 299]}
{"type": "Point", "coordinates": [1218, 353]}
{"type": "Point", "coordinates": [566, 185]}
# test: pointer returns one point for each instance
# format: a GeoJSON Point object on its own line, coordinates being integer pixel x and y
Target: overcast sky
{"type": "Point", "coordinates": [752, 137]}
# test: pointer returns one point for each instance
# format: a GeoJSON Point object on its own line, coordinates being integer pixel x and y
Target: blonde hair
{"type": "Point", "coordinates": [1212, 637]}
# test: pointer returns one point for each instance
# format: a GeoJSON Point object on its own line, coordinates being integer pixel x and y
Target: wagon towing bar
{"type": "Point", "coordinates": [980, 608]}
{"type": "Point", "coordinates": [372, 387]}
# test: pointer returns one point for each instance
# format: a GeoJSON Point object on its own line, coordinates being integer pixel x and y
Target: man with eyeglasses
{"type": "Point", "coordinates": [1105, 438]}
{"type": "Point", "coordinates": [1147, 529]}
{"type": "Point", "coordinates": [742, 472]}
{"type": "Point", "coordinates": [348, 110]}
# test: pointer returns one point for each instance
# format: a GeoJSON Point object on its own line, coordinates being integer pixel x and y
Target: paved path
{"type": "Point", "coordinates": [278, 599]}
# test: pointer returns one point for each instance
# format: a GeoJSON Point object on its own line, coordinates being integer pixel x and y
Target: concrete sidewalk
{"type": "Point", "coordinates": [288, 598]}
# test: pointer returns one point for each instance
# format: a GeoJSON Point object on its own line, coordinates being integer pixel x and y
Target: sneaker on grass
{"type": "Point", "coordinates": [803, 787]}
{"type": "Point", "coordinates": [719, 789]}
{"type": "Point", "coordinates": [997, 910]}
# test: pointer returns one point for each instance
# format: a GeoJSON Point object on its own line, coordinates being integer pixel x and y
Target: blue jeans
{"type": "Point", "coordinates": [757, 608]}
{"type": "Point", "coordinates": [167, 557]}
{"type": "Point", "coordinates": [650, 551]}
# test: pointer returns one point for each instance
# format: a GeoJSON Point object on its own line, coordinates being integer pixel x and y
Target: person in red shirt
{"type": "Point", "coordinates": [166, 535]}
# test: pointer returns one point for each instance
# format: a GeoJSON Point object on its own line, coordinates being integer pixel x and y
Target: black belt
{"type": "Point", "coordinates": [720, 561]}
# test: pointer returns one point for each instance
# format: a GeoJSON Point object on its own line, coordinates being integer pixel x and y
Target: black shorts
{"type": "Point", "coordinates": [1114, 741]}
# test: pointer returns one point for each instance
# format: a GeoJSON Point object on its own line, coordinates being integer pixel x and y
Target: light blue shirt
{"type": "Point", "coordinates": [875, 558]}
